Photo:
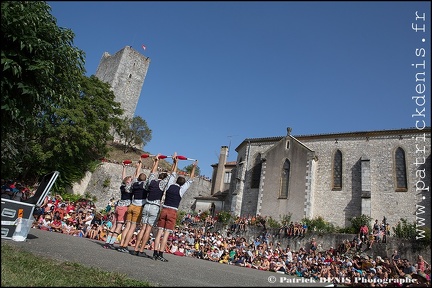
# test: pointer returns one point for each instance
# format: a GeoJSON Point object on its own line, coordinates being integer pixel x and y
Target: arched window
{"type": "Point", "coordinates": [337, 170]}
{"type": "Point", "coordinates": [256, 172]}
{"type": "Point", "coordinates": [285, 177]}
{"type": "Point", "coordinates": [401, 176]}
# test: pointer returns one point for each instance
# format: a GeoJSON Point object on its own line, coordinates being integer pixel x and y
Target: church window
{"type": "Point", "coordinates": [401, 175]}
{"type": "Point", "coordinates": [337, 170]}
{"type": "Point", "coordinates": [256, 172]}
{"type": "Point", "coordinates": [285, 177]}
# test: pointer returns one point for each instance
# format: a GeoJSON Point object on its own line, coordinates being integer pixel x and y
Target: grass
{"type": "Point", "coordinates": [23, 269]}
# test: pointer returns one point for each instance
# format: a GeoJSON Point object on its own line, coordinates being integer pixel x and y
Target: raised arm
{"type": "Point", "coordinates": [124, 172]}
{"type": "Point", "coordinates": [138, 169]}
{"type": "Point", "coordinates": [175, 163]}
{"type": "Point", "coordinates": [193, 169]}
{"type": "Point", "coordinates": [155, 163]}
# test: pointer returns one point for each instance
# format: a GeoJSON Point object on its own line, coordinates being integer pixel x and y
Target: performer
{"type": "Point", "coordinates": [133, 215]}
{"type": "Point", "coordinates": [156, 189]}
{"type": "Point", "coordinates": [168, 215]}
{"type": "Point", "coordinates": [120, 209]}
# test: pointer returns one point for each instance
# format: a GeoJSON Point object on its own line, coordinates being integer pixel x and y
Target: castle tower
{"type": "Point", "coordinates": [125, 71]}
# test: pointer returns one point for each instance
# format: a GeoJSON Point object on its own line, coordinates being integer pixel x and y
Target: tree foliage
{"type": "Point", "coordinates": [53, 117]}
{"type": "Point", "coordinates": [318, 224]}
{"type": "Point", "coordinates": [133, 132]}
{"type": "Point", "coordinates": [357, 222]}
{"type": "Point", "coordinates": [189, 167]}
{"type": "Point", "coordinates": [41, 70]}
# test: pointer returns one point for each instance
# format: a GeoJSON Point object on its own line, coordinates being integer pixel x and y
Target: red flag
{"type": "Point", "coordinates": [144, 47]}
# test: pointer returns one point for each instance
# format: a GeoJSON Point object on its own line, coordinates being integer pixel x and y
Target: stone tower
{"type": "Point", "coordinates": [125, 71]}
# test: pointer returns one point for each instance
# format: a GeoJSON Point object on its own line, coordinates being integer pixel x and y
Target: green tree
{"type": "Point", "coordinates": [189, 167]}
{"type": "Point", "coordinates": [318, 224]}
{"type": "Point", "coordinates": [224, 217]}
{"type": "Point", "coordinates": [133, 132]}
{"type": "Point", "coordinates": [41, 71]}
{"type": "Point", "coordinates": [75, 136]}
{"type": "Point", "coordinates": [357, 222]}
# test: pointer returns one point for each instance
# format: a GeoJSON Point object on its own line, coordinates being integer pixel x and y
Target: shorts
{"type": "Point", "coordinates": [167, 218]}
{"type": "Point", "coordinates": [134, 214]}
{"type": "Point", "coordinates": [120, 213]}
{"type": "Point", "coordinates": [150, 214]}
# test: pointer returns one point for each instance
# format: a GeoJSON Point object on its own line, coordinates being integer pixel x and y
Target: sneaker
{"type": "Point", "coordinates": [108, 246]}
{"type": "Point", "coordinates": [123, 249]}
{"type": "Point", "coordinates": [133, 252]}
{"type": "Point", "coordinates": [143, 254]}
{"type": "Point", "coordinates": [161, 258]}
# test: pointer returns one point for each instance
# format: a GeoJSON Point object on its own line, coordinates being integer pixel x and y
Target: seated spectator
{"type": "Point", "coordinates": [265, 264]}
{"type": "Point", "coordinates": [18, 194]}
{"type": "Point", "coordinates": [371, 240]}
{"type": "Point", "coordinates": [313, 244]}
{"type": "Point", "coordinates": [214, 255]}
{"type": "Point", "coordinates": [356, 243]}
{"type": "Point", "coordinates": [56, 224]}
{"type": "Point", "coordinates": [408, 268]}
{"type": "Point", "coordinates": [173, 247]}
{"type": "Point", "coordinates": [225, 257]}
{"type": "Point", "coordinates": [45, 223]}
{"type": "Point", "coordinates": [92, 233]}
{"type": "Point", "coordinates": [279, 265]}
{"type": "Point", "coordinates": [132, 241]}
{"type": "Point", "coordinates": [69, 228]}
{"type": "Point", "coordinates": [421, 263]}
{"type": "Point", "coordinates": [240, 260]}
{"type": "Point", "coordinates": [181, 250]}
{"type": "Point", "coordinates": [347, 244]}
{"type": "Point", "coordinates": [7, 193]}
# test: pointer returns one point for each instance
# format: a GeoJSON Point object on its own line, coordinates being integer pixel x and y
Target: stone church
{"type": "Point", "coordinates": [336, 176]}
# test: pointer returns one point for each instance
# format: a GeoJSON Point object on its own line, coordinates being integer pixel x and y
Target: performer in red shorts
{"type": "Point", "coordinates": [121, 207]}
{"type": "Point", "coordinates": [168, 214]}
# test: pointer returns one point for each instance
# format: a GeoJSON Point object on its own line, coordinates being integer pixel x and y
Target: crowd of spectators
{"type": "Point", "coordinates": [14, 190]}
{"type": "Point", "coordinates": [75, 218]}
{"type": "Point", "coordinates": [347, 264]}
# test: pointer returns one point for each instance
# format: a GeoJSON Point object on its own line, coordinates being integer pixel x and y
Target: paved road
{"type": "Point", "coordinates": [179, 271]}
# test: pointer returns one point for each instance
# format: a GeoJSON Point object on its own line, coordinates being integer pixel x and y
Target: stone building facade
{"type": "Point", "coordinates": [336, 176]}
{"type": "Point", "coordinates": [125, 71]}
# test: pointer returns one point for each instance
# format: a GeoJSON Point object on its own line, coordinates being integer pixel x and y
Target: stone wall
{"type": "Point", "coordinates": [337, 206]}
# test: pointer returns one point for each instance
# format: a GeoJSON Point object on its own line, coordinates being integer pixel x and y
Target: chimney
{"type": "Point", "coordinates": [221, 169]}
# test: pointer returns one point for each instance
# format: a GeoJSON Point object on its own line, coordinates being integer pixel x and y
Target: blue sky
{"type": "Point", "coordinates": [222, 72]}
